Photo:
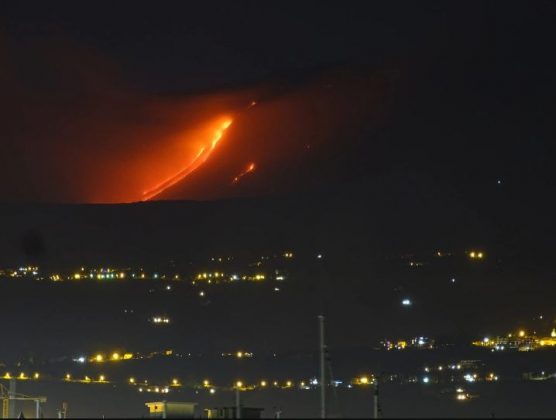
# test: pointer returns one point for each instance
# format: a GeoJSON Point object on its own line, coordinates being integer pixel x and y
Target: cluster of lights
{"type": "Point", "coordinates": [160, 320]}
{"type": "Point", "coordinates": [399, 345]}
{"type": "Point", "coordinates": [99, 358]}
{"type": "Point", "coordinates": [288, 384]}
{"type": "Point", "coordinates": [20, 272]}
{"type": "Point", "coordinates": [102, 276]}
{"type": "Point", "coordinates": [155, 389]}
{"type": "Point", "coordinates": [470, 377]}
{"type": "Point", "coordinates": [415, 342]}
{"type": "Point", "coordinates": [22, 376]}
{"type": "Point", "coordinates": [33, 270]}
{"type": "Point", "coordinates": [114, 273]}
{"type": "Point", "coordinates": [361, 380]}
{"type": "Point", "coordinates": [491, 377]}
{"type": "Point", "coordinates": [476, 255]}
{"type": "Point", "coordinates": [521, 341]}
{"type": "Point", "coordinates": [239, 354]}
{"type": "Point", "coordinates": [441, 368]}
{"type": "Point", "coordinates": [87, 379]}
{"type": "Point", "coordinates": [206, 276]}
{"type": "Point", "coordinates": [461, 395]}
{"type": "Point", "coordinates": [217, 276]}
{"type": "Point", "coordinates": [175, 382]}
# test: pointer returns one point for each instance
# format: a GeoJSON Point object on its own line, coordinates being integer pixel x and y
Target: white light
{"type": "Point", "coordinates": [469, 378]}
{"type": "Point", "coordinates": [426, 379]}
{"type": "Point", "coordinates": [406, 302]}
{"type": "Point", "coordinates": [212, 391]}
{"type": "Point", "coordinates": [319, 256]}
{"type": "Point", "coordinates": [81, 359]}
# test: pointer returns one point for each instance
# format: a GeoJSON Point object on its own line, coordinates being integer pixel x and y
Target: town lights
{"type": "Point", "coordinates": [476, 255]}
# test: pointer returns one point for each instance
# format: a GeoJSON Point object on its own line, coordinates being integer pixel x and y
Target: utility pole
{"type": "Point", "coordinates": [238, 404]}
{"type": "Point", "coordinates": [11, 396]}
{"type": "Point", "coordinates": [322, 349]}
{"type": "Point", "coordinates": [376, 408]}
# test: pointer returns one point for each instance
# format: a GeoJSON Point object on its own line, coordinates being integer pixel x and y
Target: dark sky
{"type": "Point", "coordinates": [379, 128]}
{"type": "Point", "coordinates": [101, 100]}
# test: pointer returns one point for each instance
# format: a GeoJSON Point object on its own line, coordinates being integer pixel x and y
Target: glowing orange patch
{"type": "Point", "coordinates": [250, 168]}
{"type": "Point", "coordinates": [201, 157]}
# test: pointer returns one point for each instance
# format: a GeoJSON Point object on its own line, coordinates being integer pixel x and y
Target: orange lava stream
{"type": "Point", "coordinates": [249, 168]}
{"type": "Point", "coordinates": [200, 158]}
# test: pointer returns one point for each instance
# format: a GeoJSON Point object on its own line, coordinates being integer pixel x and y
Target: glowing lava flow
{"type": "Point", "coordinates": [200, 158]}
{"type": "Point", "coordinates": [249, 168]}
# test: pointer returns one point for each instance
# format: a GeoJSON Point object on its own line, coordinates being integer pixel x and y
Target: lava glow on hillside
{"type": "Point", "coordinates": [200, 157]}
{"type": "Point", "coordinates": [85, 136]}
{"type": "Point", "coordinates": [250, 168]}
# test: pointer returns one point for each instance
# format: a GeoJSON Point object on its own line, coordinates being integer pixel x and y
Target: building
{"type": "Point", "coordinates": [230, 413]}
{"type": "Point", "coordinates": [171, 410]}
{"type": "Point", "coordinates": [520, 341]}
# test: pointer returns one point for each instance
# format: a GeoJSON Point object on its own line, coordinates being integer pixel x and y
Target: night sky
{"type": "Point", "coordinates": [162, 134]}
{"type": "Point", "coordinates": [101, 103]}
